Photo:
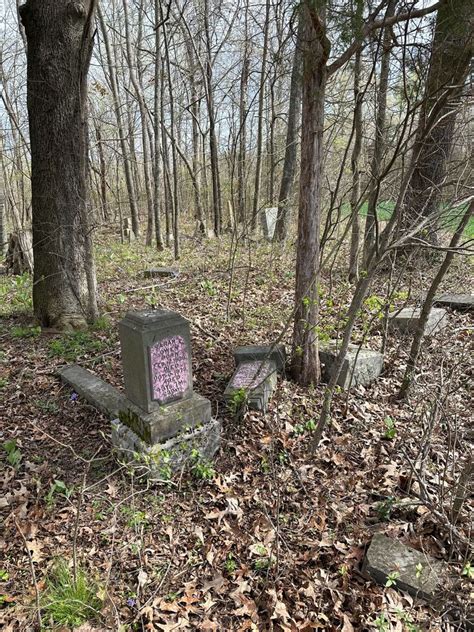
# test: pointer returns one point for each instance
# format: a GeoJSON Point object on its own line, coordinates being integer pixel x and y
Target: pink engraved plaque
{"type": "Point", "coordinates": [169, 368]}
{"type": "Point", "coordinates": [251, 374]}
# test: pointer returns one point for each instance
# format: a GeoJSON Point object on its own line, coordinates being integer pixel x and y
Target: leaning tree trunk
{"type": "Point", "coordinates": [305, 360]}
{"type": "Point", "coordinates": [451, 56]}
{"type": "Point", "coordinates": [60, 40]}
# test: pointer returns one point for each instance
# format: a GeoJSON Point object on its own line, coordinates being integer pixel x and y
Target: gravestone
{"type": "Point", "coordinates": [161, 273]}
{"type": "Point", "coordinates": [269, 219]}
{"type": "Point", "coordinates": [256, 373]}
{"type": "Point", "coordinates": [128, 233]}
{"type": "Point", "coordinates": [361, 366]}
{"type": "Point", "coordinates": [159, 416]}
{"type": "Point", "coordinates": [460, 302]}
{"type": "Point", "coordinates": [411, 570]}
{"type": "Point", "coordinates": [406, 320]}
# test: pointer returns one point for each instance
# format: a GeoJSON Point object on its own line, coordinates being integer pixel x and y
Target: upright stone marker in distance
{"type": "Point", "coordinates": [269, 219]}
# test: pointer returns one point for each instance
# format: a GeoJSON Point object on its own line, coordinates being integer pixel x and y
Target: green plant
{"type": "Point", "coordinates": [208, 286]}
{"type": "Point", "coordinates": [238, 401]}
{"type": "Point", "coordinates": [57, 488]}
{"type": "Point", "coordinates": [14, 455]}
{"type": "Point", "coordinates": [25, 332]}
{"type": "Point", "coordinates": [135, 517]}
{"type": "Point", "coordinates": [68, 600]}
{"type": "Point", "coordinates": [390, 429]}
{"type": "Point", "coordinates": [468, 570]}
{"type": "Point", "coordinates": [392, 579]}
{"type": "Point", "coordinates": [384, 508]}
{"type": "Point", "coordinates": [201, 468]}
{"type": "Point", "coordinates": [310, 425]}
{"type": "Point", "coordinates": [72, 345]}
{"type": "Point", "coordinates": [230, 564]}
{"type": "Point", "coordinates": [381, 623]}
{"type": "Point", "coordinates": [4, 575]}
{"type": "Point", "coordinates": [3, 382]}
{"type": "Point", "coordinates": [15, 294]}
{"type": "Point", "coordinates": [418, 570]}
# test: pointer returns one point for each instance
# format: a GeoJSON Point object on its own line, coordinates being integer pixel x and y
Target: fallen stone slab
{"type": "Point", "coordinates": [411, 570]}
{"type": "Point", "coordinates": [161, 273]}
{"type": "Point", "coordinates": [361, 366]}
{"type": "Point", "coordinates": [249, 353]}
{"type": "Point", "coordinates": [459, 302]}
{"type": "Point", "coordinates": [406, 320]}
{"type": "Point", "coordinates": [258, 379]}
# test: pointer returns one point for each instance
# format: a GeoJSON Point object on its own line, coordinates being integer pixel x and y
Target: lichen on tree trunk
{"type": "Point", "coordinates": [60, 40]}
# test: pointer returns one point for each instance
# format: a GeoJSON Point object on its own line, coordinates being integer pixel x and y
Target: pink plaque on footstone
{"type": "Point", "coordinates": [169, 364]}
{"type": "Point", "coordinates": [250, 374]}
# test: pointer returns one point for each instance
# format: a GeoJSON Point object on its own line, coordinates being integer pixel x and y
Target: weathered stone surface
{"type": "Point", "coordinates": [248, 353]}
{"type": "Point", "coordinates": [159, 460]}
{"type": "Point", "coordinates": [161, 273]}
{"type": "Point", "coordinates": [361, 366]}
{"type": "Point", "coordinates": [460, 302]}
{"type": "Point", "coordinates": [156, 358]}
{"type": "Point", "coordinates": [151, 427]}
{"type": "Point", "coordinates": [258, 379]}
{"type": "Point", "coordinates": [418, 574]}
{"type": "Point", "coordinates": [269, 219]}
{"type": "Point", "coordinates": [406, 320]}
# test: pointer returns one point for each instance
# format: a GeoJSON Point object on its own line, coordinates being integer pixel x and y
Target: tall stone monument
{"type": "Point", "coordinates": [160, 421]}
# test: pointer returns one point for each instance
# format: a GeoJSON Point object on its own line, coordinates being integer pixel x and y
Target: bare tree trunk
{"type": "Point", "coordinates": [243, 112]}
{"type": "Point", "coordinates": [428, 304]}
{"type": "Point", "coordinates": [289, 165]}
{"type": "Point", "coordinates": [102, 174]}
{"type": "Point", "coordinates": [380, 135]}
{"type": "Point", "coordinates": [120, 125]}
{"type": "Point", "coordinates": [3, 223]}
{"type": "Point", "coordinates": [261, 101]}
{"type": "Point", "coordinates": [451, 56]}
{"type": "Point", "coordinates": [355, 169]}
{"type": "Point", "coordinates": [60, 37]}
{"type": "Point", "coordinates": [305, 359]}
{"type": "Point", "coordinates": [157, 130]}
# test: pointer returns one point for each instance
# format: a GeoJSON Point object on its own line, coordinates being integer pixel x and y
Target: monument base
{"type": "Point", "coordinates": [160, 460]}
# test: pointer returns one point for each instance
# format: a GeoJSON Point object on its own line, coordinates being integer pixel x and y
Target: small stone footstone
{"type": "Point", "coordinates": [460, 302]}
{"type": "Point", "coordinates": [412, 571]}
{"type": "Point", "coordinates": [406, 320]}
{"type": "Point", "coordinates": [361, 366]}
{"type": "Point", "coordinates": [257, 378]}
{"type": "Point", "coordinates": [161, 273]}
{"type": "Point", "coordinates": [247, 353]}
{"type": "Point", "coordinates": [159, 412]}
{"type": "Point", "coordinates": [269, 220]}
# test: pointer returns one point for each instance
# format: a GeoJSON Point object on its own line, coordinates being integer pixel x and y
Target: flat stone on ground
{"type": "Point", "coordinates": [406, 320]}
{"type": "Point", "coordinates": [361, 366]}
{"type": "Point", "coordinates": [247, 353]}
{"type": "Point", "coordinates": [460, 302]}
{"type": "Point", "coordinates": [414, 572]}
{"type": "Point", "coordinates": [257, 378]}
{"type": "Point", "coordinates": [161, 273]}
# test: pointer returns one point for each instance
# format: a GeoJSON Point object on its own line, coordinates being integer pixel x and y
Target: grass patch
{"type": "Point", "coordinates": [16, 294]}
{"type": "Point", "coordinates": [75, 344]}
{"type": "Point", "coordinates": [67, 602]}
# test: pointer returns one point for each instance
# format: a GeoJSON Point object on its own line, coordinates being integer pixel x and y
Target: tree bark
{"type": "Point", "coordinates": [60, 40]}
{"type": "Point", "coordinates": [355, 169]}
{"type": "Point", "coordinates": [452, 51]}
{"type": "Point", "coordinates": [316, 48]}
{"type": "Point", "coordinates": [289, 164]}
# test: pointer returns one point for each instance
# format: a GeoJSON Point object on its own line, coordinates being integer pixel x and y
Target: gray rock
{"type": "Point", "coordinates": [460, 302]}
{"type": "Point", "coordinates": [415, 572]}
{"type": "Point", "coordinates": [361, 366]}
{"type": "Point", "coordinates": [258, 379]}
{"type": "Point", "coordinates": [156, 358]}
{"type": "Point", "coordinates": [269, 219]}
{"type": "Point", "coordinates": [248, 353]}
{"type": "Point", "coordinates": [161, 273]}
{"type": "Point", "coordinates": [159, 460]}
{"type": "Point", "coordinates": [406, 320]}
{"type": "Point", "coordinates": [153, 427]}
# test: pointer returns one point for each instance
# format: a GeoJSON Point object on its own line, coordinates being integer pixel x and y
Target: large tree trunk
{"type": "Point", "coordinates": [451, 55]}
{"type": "Point", "coordinates": [305, 360]}
{"type": "Point", "coordinates": [289, 164]}
{"type": "Point", "coordinates": [355, 169]}
{"type": "Point", "coordinates": [60, 39]}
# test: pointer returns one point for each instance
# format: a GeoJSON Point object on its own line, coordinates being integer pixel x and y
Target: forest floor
{"type": "Point", "coordinates": [272, 537]}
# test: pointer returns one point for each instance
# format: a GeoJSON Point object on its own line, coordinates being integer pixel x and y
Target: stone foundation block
{"type": "Point", "coordinates": [361, 366]}
{"type": "Point", "coordinates": [459, 302]}
{"type": "Point", "coordinates": [250, 353]}
{"type": "Point", "coordinates": [406, 320]}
